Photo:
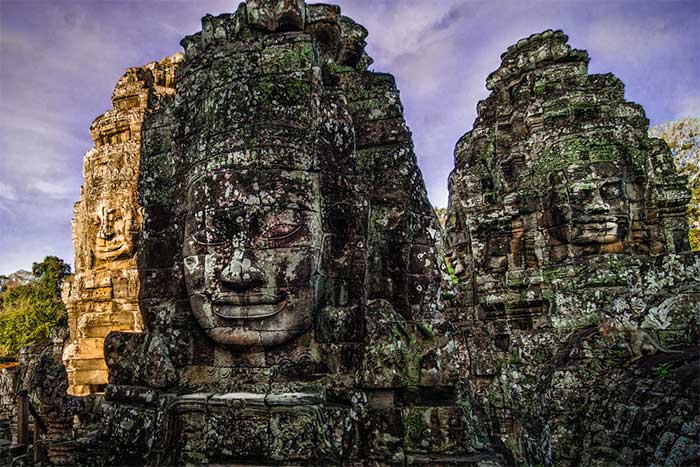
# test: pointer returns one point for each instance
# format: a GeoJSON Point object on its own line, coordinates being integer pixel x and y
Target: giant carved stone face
{"type": "Point", "coordinates": [590, 207]}
{"type": "Point", "coordinates": [114, 236]}
{"type": "Point", "coordinates": [251, 246]}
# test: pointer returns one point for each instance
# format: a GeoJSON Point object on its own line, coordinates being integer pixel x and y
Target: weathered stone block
{"type": "Point", "coordinates": [154, 368]}
{"type": "Point", "coordinates": [296, 434]}
{"type": "Point", "coordinates": [554, 212]}
{"type": "Point", "coordinates": [108, 217]}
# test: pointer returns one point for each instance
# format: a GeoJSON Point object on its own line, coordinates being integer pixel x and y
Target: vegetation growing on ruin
{"type": "Point", "coordinates": [31, 309]}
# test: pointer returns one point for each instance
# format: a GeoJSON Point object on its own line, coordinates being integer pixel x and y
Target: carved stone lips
{"type": "Point", "coordinates": [597, 226]}
{"type": "Point", "coordinates": [110, 247]}
{"type": "Point", "coordinates": [603, 229]}
{"type": "Point", "coordinates": [249, 306]}
{"type": "Point", "coordinates": [600, 225]}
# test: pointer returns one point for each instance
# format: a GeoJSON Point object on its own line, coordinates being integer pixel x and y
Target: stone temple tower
{"type": "Point", "coordinates": [103, 295]}
{"type": "Point", "coordinates": [566, 229]}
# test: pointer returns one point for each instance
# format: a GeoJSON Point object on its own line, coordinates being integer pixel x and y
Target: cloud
{"type": "Point", "coordinates": [34, 248]}
{"type": "Point", "coordinates": [54, 190]}
{"type": "Point", "coordinates": [7, 192]}
{"type": "Point", "coordinates": [631, 42]}
{"type": "Point", "coordinates": [689, 106]}
{"type": "Point", "coordinates": [404, 28]}
{"type": "Point", "coordinates": [43, 123]}
{"type": "Point", "coordinates": [440, 67]}
{"type": "Point", "coordinates": [61, 59]}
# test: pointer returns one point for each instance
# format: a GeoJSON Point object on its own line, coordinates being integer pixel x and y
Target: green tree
{"type": "Point", "coordinates": [51, 273]}
{"type": "Point", "coordinates": [29, 311]}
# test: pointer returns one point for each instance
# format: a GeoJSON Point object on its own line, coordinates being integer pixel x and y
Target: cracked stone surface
{"type": "Point", "coordinates": [255, 236]}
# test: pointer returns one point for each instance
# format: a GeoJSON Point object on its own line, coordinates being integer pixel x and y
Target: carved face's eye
{"type": "Point", "coordinates": [280, 235]}
{"type": "Point", "coordinates": [208, 237]}
{"type": "Point", "coordinates": [224, 225]}
{"type": "Point", "coordinates": [207, 231]}
{"type": "Point", "coordinates": [583, 192]}
{"type": "Point", "coordinates": [227, 222]}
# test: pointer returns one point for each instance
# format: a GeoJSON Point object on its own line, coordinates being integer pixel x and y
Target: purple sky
{"type": "Point", "coordinates": [60, 60]}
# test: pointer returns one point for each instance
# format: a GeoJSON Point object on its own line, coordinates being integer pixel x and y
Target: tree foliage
{"type": "Point", "coordinates": [29, 310]}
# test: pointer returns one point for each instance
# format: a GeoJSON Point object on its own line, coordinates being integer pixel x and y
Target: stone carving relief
{"type": "Point", "coordinates": [251, 247]}
{"type": "Point", "coordinates": [115, 231]}
{"type": "Point", "coordinates": [288, 262]}
{"type": "Point", "coordinates": [557, 204]}
{"type": "Point", "coordinates": [103, 295]}
{"type": "Point", "coordinates": [259, 275]}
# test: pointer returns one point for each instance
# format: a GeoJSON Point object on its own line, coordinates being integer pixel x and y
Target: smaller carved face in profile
{"type": "Point", "coordinates": [113, 238]}
{"type": "Point", "coordinates": [251, 246]}
{"type": "Point", "coordinates": [589, 207]}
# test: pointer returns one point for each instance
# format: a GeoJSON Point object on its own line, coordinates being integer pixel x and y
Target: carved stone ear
{"type": "Point", "coordinates": [323, 23]}
{"type": "Point", "coordinates": [276, 15]}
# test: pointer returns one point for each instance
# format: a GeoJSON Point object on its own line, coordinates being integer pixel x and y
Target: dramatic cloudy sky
{"type": "Point", "coordinates": [60, 59]}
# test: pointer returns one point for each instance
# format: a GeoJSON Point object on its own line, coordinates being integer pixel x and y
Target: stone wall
{"type": "Point", "coordinates": [17, 377]}
{"type": "Point", "coordinates": [103, 295]}
{"type": "Point", "coordinates": [8, 400]}
{"type": "Point", "coordinates": [39, 372]}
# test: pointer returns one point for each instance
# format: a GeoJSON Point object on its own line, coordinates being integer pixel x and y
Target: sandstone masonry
{"type": "Point", "coordinates": [103, 295]}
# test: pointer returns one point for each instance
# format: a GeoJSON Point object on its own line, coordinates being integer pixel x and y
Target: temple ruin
{"type": "Point", "coordinates": [261, 279]}
{"type": "Point", "coordinates": [288, 263]}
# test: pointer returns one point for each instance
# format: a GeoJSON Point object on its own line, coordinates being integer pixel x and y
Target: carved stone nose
{"type": "Point", "coordinates": [597, 206]}
{"type": "Point", "coordinates": [105, 232]}
{"type": "Point", "coordinates": [242, 274]}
